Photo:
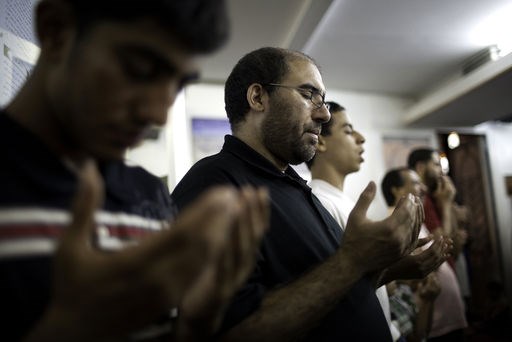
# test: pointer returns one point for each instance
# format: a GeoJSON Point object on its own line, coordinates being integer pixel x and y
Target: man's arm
{"type": "Point", "coordinates": [290, 312]}
{"type": "Point", "coordinates": [103, 296]}
{"type": "Point", "coordinates": [427, 291]}
{"type": "Point", "coordinates": [444, 196]}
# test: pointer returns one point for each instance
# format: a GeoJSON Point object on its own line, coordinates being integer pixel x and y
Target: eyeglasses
{"type": "Point", "coordinates": [313, 95]}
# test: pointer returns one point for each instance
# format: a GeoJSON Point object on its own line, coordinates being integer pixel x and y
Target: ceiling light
{"type": "Point", "coordinates": [445, 164]}
{"type": "Point", "coordinates": [453, 140]}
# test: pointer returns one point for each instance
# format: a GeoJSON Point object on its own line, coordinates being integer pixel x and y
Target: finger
{"type": "Point", "coordinates": [248, 233]}
{"type": "Point", "coordinates": [263, 200]}
{"type": "Point", "coordinates": [423, 241]}
{"type": "Point", "coordinates": [438, 254]}
{"type": "Point", "coordinates": [422, 212]}
{"type": "Point", "coordinates": [447, 247]}
{"type": "Point", "coordinates": [255, 216]}
{"type": "Point", "coordinates": [87, 199]}
{"type": "Point", "coordinates": [246, 229]}
{"type": "Point", "coordinates": [196, 238]}
{"type": "Point", "coordinates": [209, 220]}
{"type": "Point", "coordinates": [403, 210]}
{"type": "Point", "coordinates": [364, 201]}
{"type": "Point", "coordinates": [420, 217]}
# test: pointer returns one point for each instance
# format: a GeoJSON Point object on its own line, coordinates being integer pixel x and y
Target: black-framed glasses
{"type": "Point", "coordinates": [316, 97]}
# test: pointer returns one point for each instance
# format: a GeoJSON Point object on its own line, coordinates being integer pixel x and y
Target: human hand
{"type": "Point", "coordinates": [99, 295]}
{"type": "Point", "coordinates": [461, 235]}
{"type": "Point", "coordinates": [376, 245]}
{"type": "Point", "coordinates": [445, 191]}
{"type": "Point", "coordinates": [429, 288]}
{"type": "Point", "coordinates": [421, 261]}
{"type": "Point", "coordinates": [203, 305]}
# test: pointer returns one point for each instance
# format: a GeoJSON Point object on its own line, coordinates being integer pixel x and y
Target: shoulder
{"type": "Point", "coordinates": [219, 169]}
{"type": "Point", "coordinates": [120, 173]}
{"type": "Point", "coordinates": [135, 187]}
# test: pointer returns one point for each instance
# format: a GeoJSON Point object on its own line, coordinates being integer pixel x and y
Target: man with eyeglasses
{"type": "Point", "coordinates": [308, 283]}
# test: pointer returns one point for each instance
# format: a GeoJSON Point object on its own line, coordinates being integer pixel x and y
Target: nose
{"type": "Point", "coordinates": [321, 114]}
{"type": "Point", "coordinates": [359, 138]}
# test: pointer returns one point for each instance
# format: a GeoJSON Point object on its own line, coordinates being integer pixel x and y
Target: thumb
{"type": "Point", "coordinates": [87, 199]}
{"type": "Point", "coordinates": [423, 241]}
{"type": "Point", "coordinates": [365, 199]}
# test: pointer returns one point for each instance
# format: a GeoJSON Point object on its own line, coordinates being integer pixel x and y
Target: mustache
{"type": "Point", "coordinates": [314, 128]}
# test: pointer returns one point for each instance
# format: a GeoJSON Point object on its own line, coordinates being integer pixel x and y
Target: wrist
{"type": "Point", "coordinates": [351, 264]}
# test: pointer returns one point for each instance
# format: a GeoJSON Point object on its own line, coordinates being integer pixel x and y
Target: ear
{"type": "Point", "coordinates": [256, 97]}
{"type": "Point", "coordinates": [322, 144]}
{"type": "Point", "coordinates": [420, 169]}
{"type": "Point", "coordinates": [397, 193]}
{"type": "Point", "coordinates": [54, 27]}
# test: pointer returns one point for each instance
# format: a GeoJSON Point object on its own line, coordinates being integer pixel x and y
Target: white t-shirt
{"type": "Point", "coordinates": [340, 205]}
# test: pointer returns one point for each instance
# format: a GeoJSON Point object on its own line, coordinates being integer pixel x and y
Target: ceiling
{"type": "Point", "coordinates": [405, 48]}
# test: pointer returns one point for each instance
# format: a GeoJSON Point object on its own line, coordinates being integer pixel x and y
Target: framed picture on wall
{"type": "Point", "coordinates": [396, 149]}
{"type": "Point", "coordinates": [208, 136]}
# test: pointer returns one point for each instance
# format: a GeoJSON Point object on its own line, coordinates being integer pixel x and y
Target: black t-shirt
{"type": "Point", "coordinates": [302, 234]}
{"type": "Point", "coordinates": [36, 189]}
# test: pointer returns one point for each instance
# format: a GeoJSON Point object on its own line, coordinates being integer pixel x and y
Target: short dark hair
{"type": "Point", "coordinates": [201, 26]}
{"type": "Point", "coordinates": [423, 154]}
{"type": "Point", "coordinates": [334, 107]}
{"type": "Point", "coordinates": [392, 179]}
{"type": "Point", "coordinates": [265, 65]}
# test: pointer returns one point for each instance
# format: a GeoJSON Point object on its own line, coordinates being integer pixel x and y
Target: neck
{"type": "Point", "coordinates": [328, 173]}
{"type": "Point", "coordinates": [31, 109]}
{"type": "Point", "coordinates": [251, 136]}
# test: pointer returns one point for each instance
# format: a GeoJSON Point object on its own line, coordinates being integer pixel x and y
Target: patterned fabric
{"type": "Point", "coordinates": [403, 309]}
{"type": "Point", "coordinates": [37, 190]}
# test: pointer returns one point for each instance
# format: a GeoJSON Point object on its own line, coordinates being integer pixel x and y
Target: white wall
{"type": "Point", "coordinates": [499, 144]}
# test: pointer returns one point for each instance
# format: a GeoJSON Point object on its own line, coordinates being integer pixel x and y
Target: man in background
{"type": "Point", "coordinates": [309, 283]}
{"type": "Point", "coordinates": [71, 211]}
{"type": "Point", "coordinates": [449, 318]}
{"type": "Point", "coordinates": [339, 153]}
{"type": "Point", "coordinates": [411, 302]}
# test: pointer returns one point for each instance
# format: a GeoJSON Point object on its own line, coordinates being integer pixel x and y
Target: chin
{"type": "Point", "coordinates": [109, 155]}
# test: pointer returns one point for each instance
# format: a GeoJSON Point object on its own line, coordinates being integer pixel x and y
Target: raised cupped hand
{"type": "Point", "coordinates": [374, 245]}
{"type": "Point", "coordinates": [99, 295]}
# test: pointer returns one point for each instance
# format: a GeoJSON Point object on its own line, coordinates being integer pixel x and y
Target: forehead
{"type": "Point", "coordinates": [410, 176]}
{"type": "Point", "coordinates": [434, 157]}
{"type": "Point", "coordinates": [413, 176]}
{"type": "Point", "coordinates": [341, 118]}
{"type": "Point", "coordinates": [147, 34]}
{"type": "Point", "coordinates": [302, 71]}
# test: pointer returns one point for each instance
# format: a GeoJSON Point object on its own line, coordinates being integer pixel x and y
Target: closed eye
{"type": "Point", "coordinates": [348, 129]}
{"type": "Point", "coordinates": [306, 93]}
{"type": "Point", "coordinates": [142, 64]}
